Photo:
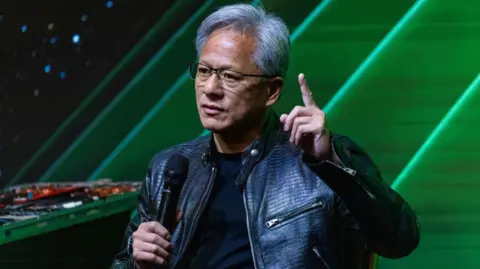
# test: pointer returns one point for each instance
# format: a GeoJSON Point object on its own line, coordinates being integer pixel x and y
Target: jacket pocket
{"type": "Point", "coordinates": [274, 222]}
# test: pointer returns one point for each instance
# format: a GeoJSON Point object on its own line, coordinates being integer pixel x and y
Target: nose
{"type": "Point", "coordinates": [213, 86]}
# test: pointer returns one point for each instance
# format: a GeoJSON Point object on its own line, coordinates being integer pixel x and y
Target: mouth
{"type": "Point", "coordinates": [212, 110]}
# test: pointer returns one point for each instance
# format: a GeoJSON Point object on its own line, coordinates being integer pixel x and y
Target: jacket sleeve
{"type": "Point", "coordinates": [124, 259]}
{"type": "Point", "coordinates": [386, 222]}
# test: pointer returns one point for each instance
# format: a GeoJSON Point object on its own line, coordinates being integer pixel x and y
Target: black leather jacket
{"type": "Point", "coordinates": [300, 213]}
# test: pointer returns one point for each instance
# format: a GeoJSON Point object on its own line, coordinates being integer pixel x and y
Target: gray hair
{"type": "Point", "coordinates": [272, 36]}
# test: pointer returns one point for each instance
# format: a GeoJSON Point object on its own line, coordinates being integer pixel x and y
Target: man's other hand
{"type": "Point", "coordinates": [151, 246]}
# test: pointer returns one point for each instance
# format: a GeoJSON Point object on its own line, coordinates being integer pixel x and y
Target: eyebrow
{"type": "Point", "coordinates": [222, 67]}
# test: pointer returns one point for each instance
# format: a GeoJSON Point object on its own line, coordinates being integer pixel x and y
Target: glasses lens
{"type": "Point", "coordinates": [201, 73]}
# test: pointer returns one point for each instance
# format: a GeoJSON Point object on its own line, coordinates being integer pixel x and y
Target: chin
{"type": "Point", "coordinates": [213, 124]}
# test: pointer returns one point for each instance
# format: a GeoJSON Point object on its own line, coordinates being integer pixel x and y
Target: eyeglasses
{"type": "Point", "coordinates": [229, 78]}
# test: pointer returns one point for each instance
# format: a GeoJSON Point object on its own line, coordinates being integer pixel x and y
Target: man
{"type": "Point", "coordinates": [263, 191]}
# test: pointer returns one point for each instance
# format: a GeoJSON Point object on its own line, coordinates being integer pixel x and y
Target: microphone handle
{"type": "Point", "coordinates": [164, 202]}
{"type": "Point", "coordinates": [167, 215]}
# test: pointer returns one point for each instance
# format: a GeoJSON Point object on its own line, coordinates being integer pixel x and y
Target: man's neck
{"type": "Point", "coordinates": [235, 143]}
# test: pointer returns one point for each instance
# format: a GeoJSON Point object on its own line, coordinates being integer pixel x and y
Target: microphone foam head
{"type": "Point", "coordinates": [176, 168]}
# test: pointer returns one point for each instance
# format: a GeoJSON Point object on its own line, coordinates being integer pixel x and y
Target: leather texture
{"type": "Point", "coordinates": [301, 212]}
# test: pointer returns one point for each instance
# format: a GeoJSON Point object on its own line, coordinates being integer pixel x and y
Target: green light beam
{"type": "Point", "coordinates": [371, 58]}
{"type": "Point", "coordinates": [475, 85]}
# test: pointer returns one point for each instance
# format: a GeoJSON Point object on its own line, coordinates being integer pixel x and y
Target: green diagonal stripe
{"type": "Point", "coordinates": [371, 58]}
{"type": "Point", "coordinates": [469, 92]}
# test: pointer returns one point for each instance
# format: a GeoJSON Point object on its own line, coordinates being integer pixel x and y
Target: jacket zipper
{"type": "Point", "coordinates": [200, 209]}
{"type": "Point", "coordinates": [353, 173]}
{"type": "Point", "coordinates": [248, 225]}
{"type": "Point", "coordinates": [344, 167]}
{"type": "Point", "coordinates": [317, 253]}
{"type": "Point", "coordinates": [274, 222]}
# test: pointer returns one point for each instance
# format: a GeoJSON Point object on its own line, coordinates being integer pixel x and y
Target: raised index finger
{"type": "Point", "coordinates": [306, 93]}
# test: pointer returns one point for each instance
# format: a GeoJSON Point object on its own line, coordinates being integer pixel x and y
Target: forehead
{"type": "Point", "coordinates": [227, 49]}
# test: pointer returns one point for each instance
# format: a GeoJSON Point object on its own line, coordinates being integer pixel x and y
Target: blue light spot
{"type": "Point", "coordinates": [24, 28]}
{"type": "Point", "coordinates": [84, 18]}
{"type": "Point", "coordinates": [47, 68]}
{"type": "Point", "coordinates": [63, 75]}
{"type": "Point", "coordinates": [109, 4]}
{"type": "Point", "coordinates": [76, 38]}
{"type": "Point", "coordinates": [53, 40]}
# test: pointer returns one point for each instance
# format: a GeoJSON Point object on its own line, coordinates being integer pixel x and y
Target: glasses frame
{"type": "Point", "coordinates": [217, 70]}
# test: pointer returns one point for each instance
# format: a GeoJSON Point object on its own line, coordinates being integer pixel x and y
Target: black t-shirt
{"type": "Point", "coordinates": [221, 240]}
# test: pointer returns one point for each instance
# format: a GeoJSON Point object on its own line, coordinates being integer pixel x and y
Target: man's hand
{"type": "Point", "coordinates": [307, 125]}
{"type": "Point", "coordinates": [151, 245]}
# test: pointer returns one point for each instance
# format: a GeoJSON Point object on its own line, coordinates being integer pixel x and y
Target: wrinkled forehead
{"type": "Point", "coordinates": [228, 49]}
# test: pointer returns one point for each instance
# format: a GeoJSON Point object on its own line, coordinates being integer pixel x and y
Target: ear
{"type": "Point", "coordinates": [274, 89]}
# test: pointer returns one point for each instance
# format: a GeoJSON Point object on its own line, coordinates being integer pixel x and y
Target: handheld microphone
{"type": "Point", "coordinates": [174, 174]}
